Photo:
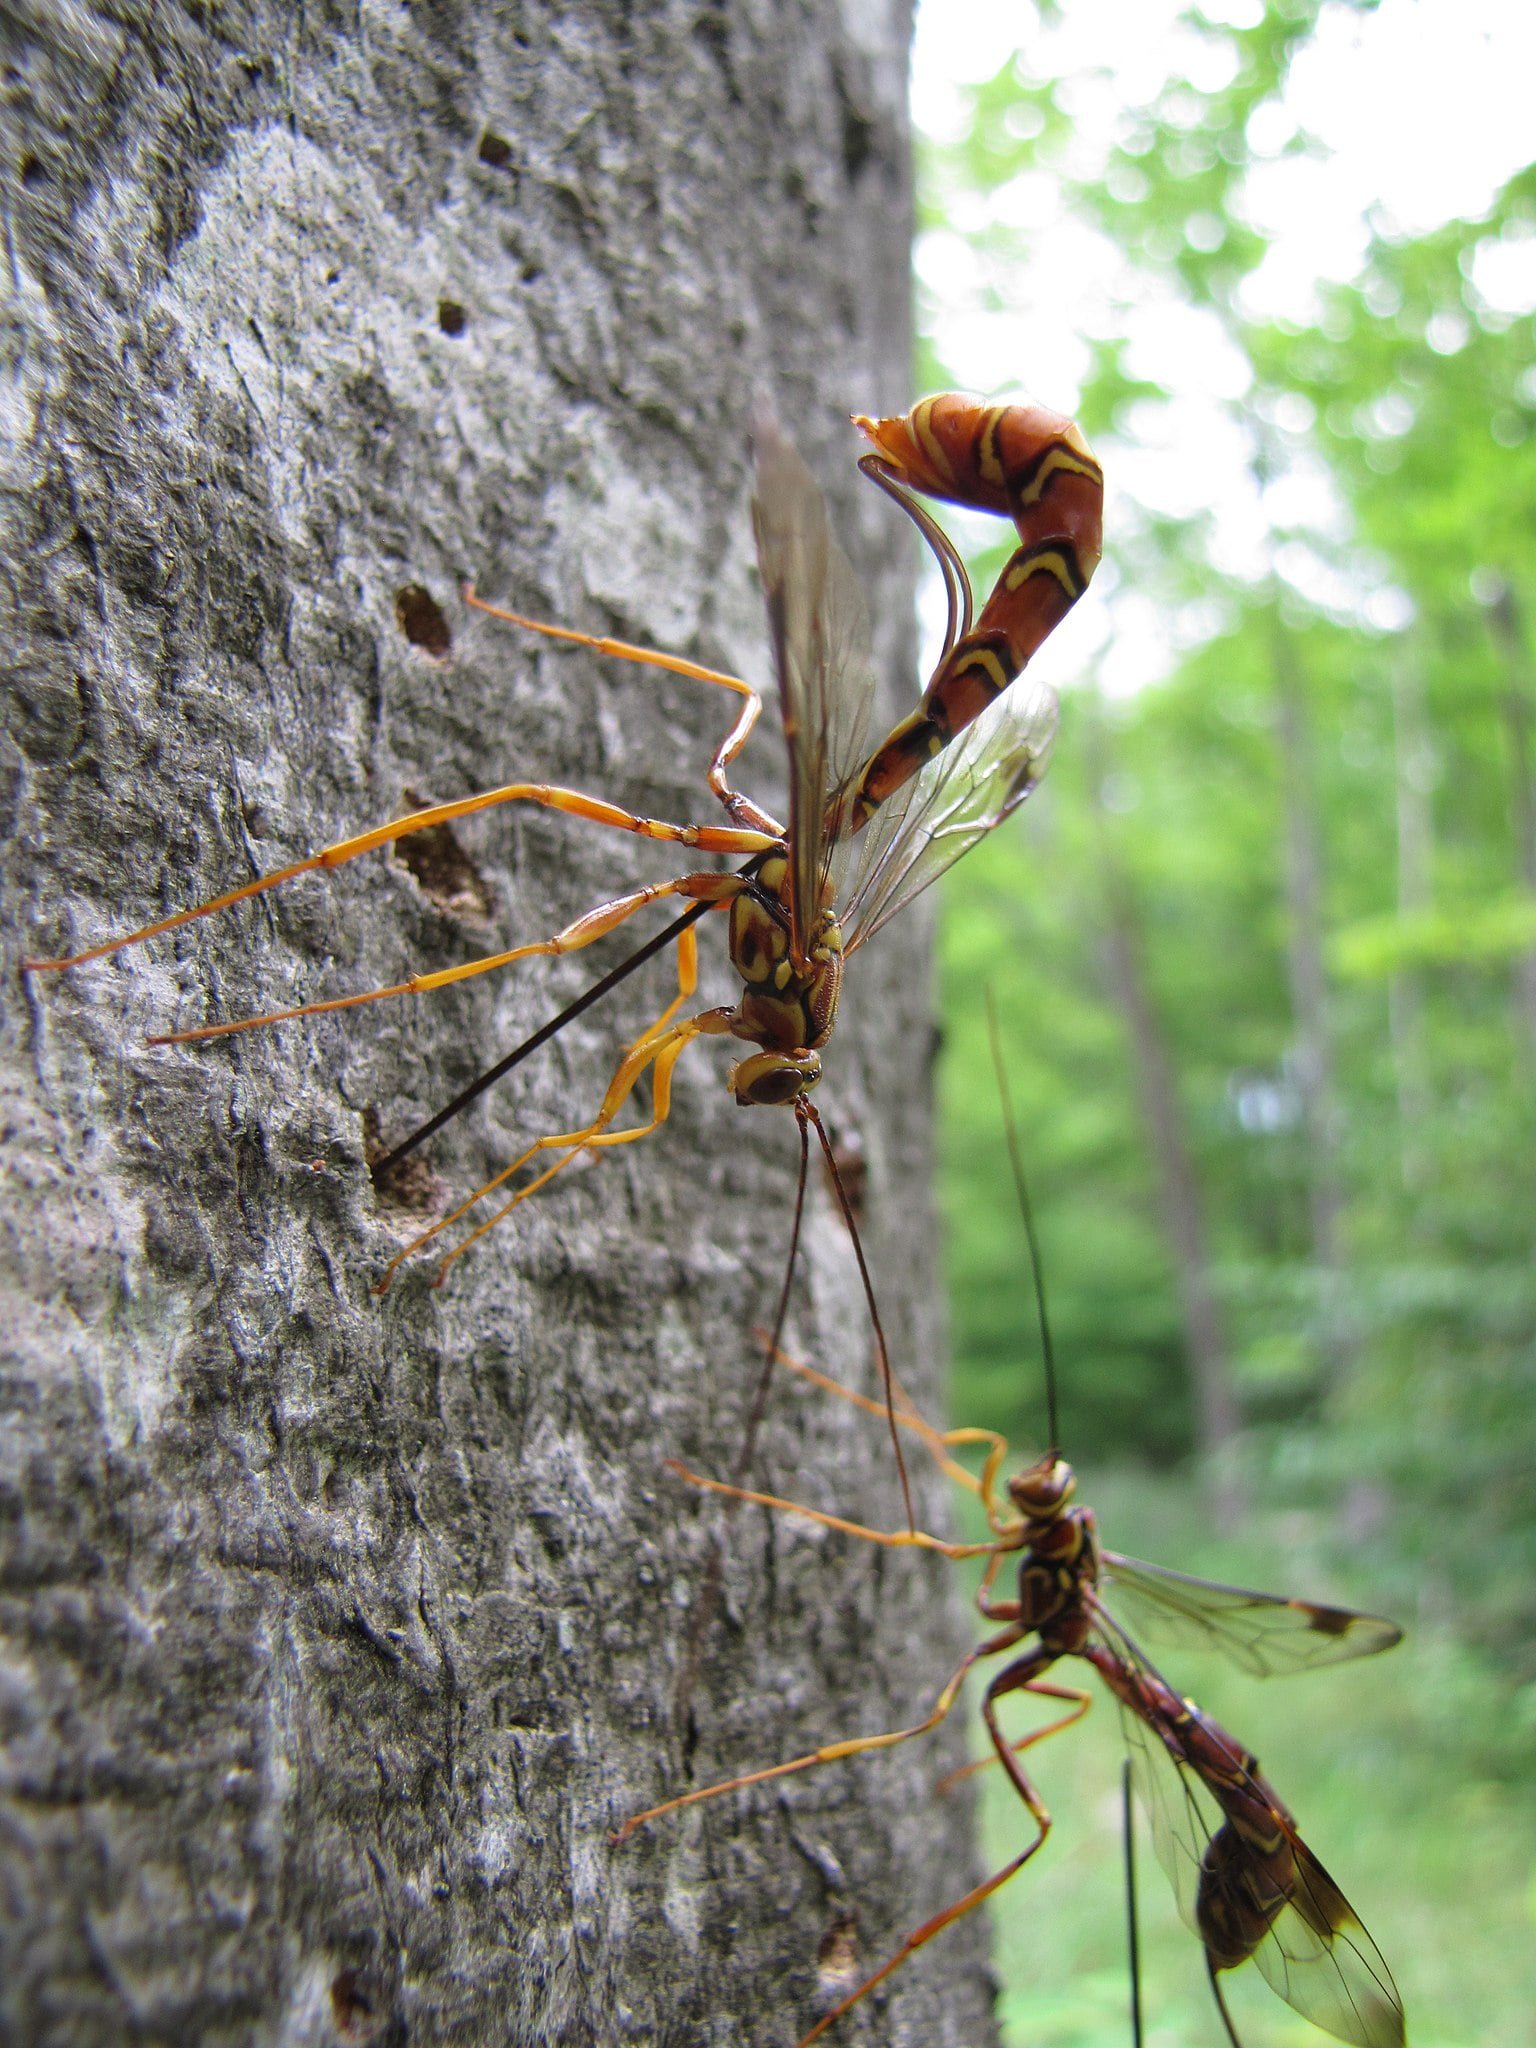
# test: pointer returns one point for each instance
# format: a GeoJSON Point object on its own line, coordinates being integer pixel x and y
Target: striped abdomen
{"type": "Point", "coordinates": [1035, 467]}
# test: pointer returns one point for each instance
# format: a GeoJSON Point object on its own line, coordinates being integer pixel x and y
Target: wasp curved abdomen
{"type": "Point", "coordinates": [1033, 466]}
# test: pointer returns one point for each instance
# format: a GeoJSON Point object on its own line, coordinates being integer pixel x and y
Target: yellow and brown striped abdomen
{"type": "Point", "coordinates": [1024, 461]}
{"type": "Point", "coordinates": [1033, 466]}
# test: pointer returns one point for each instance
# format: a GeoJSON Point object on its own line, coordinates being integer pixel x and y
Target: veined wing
{"type": "Point", "coordinates": [1182, 1817]}
{"type": "Point", "coordinates": [1320, 1960]}
{"type": "Point", "coordinates": [926, 825]}
{"type": "Point", "coordinates": [1262, 1633]}
{"type": "Point", "coordinates": [820, 631]}
{"type": "Point", "coordinates": [1303, 1934]}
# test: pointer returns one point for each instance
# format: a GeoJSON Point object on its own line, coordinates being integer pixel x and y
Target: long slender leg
{"type": "Point", "coordinates": [708, 838]}
{"type": "Point", "coordinates": [890, 1539]}
{"type": "Point", "coordinates": [831, 1752]}
{"type": "Point", "coordinates": [659, 1046]}
{"type": "Point", "coordinates": [687, 982]}
{"type": "Point", "coordinates": [938, 1442]}
{"type": "Point", "coordinates": [999, 1610]}
{"type": "Point", "coordinates": [1019, 1676]}
{"type": "Point", "coordinates": [1081, 1702]}
{"type": "Point", "coordinates": [807, 1112]}
{"type": "Point", "coordinates": [661, 1057]}
{"type": "Point", "coordinates": [920, 1937]}
{"type": "Point", "coordinates": [1221, 2003]}
{"type": "Point", "coordinates": [712, 1584]}
{"type": "Point", "coordinates": [594, 924]}
{"type": "Point", "coordinates": [737, 806]}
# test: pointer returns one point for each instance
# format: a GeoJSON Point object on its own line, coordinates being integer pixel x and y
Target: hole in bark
{"type": "Point", "coordinates": [420, 619]}
{"type": "Point", "coordinates": [444, 871]}
{"type": "Point", "coordinates": [355, 2006]}
{"type": "Point", "coordinates": [494, 150]}
{"type": "Point", "coordinates": [858, 140]}
{"type": "Point", "coordinates": [451, 316]}
{"type": "Point", "coordinates": [33, 171]}
{"type": "Point", "coordinates": [411, 1186]}
{"type": "Point", "coordinates": [837, 1958]}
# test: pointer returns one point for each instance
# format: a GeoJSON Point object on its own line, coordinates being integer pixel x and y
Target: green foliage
{"type": "Point", "coordinates": [1407, 1803]}
{"type": "Point", "coordinates": [1397, 1402]}
{"type": "Point", "coordinates": [1388, 1398]}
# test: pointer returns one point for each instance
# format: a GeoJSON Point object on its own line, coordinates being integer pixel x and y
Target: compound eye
{"type": "Point", "coordinates": [1044, 1488]}
{"type": "Point", "coordinates": [771, 1079]}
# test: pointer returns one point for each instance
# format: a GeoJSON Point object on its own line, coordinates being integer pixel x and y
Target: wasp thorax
{"type": "Point", "coordinates": [774, 1078]}
{"type": "Point", "coordinates": [773, 876]}
{"type": "Point", "coordinates": [1043, 1489]}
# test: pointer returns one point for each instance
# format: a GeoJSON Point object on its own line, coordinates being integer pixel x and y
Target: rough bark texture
{"type": "Point", "coordinates": [340, 1630]}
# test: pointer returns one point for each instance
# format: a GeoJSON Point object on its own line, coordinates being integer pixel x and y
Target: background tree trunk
{"type": "Point", "coordinates": [341, 1630]}
{"type": "Point", "coordinates": [1217, 1415]}
{"type": "Point", "coordinates": [1310, 1009]}
{"type": "Point", "coordinates": [1514, 656]}
{"type": "Point", "coordinates": [1413, 757]}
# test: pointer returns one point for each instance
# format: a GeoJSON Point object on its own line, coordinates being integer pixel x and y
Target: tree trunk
{"type": "Point", "coordinates": [1309, 1007]}
{"type": "Point", "coordinates": [1182, 1211]}
{"type": "Point", "coordinates": [1509, 638]}
{"type": "Point", "coordinates": [1414, 765]}
{"type": "Point", "coordinates": [340, 1630]}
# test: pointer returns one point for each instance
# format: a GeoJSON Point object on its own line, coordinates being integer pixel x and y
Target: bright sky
{"type": "Point", "coordinates": [1423, 107]}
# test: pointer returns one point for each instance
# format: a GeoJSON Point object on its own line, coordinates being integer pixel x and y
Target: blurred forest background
{"type": "Point", "coordinates": [1265, 946]}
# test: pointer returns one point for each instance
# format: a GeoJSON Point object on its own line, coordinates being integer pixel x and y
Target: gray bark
{"type": "Point", "coordinates": [340, 1630]}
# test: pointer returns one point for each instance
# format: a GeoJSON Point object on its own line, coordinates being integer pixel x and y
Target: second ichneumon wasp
{"type": "Point", "coordinates": [1246, 1883]}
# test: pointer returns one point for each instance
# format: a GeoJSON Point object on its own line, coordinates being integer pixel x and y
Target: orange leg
{"type": "Point", "coordinates": [1021, 1676]}
{"type": "Point", "coordinates": [891, 1539]}
{"type": "Point", "coordinates": [1082, 1701]}
{"type": "Point", "coordinates": [659, 1046]}
{"type": "Point", "coordinates": [737, 806]}
{"type": "Point", "coordinates": [708, 838]}
{"type": "Point", "coordinates": [938, 1442]}
{"type": "Point", "coordinates": [595, 924]}
{"type": "Point", "coordinates": [832, 1752]}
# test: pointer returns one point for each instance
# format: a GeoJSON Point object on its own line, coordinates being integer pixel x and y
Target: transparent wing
{"type": "Point", "coordinates": [924, 828]}
{"type": "Point", "coordinates": [1320, 1960]}
{"type": "Point", "coordinates": [820, 631]}
{"type": "Point", "coordinates": [1314, 1952]}
{"type": "Point", "coordinates": [1261, 1633]}
{"type": "Point", "coordinates": [1181, 1817]}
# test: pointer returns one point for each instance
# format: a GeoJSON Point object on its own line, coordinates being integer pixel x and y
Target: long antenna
{"type": "Point", "coordinates": [714, 1571]}
{"type": "Point", "coordinates": [1021, 1189]}
{"type": "Point", "coordinates": [709, 1593]}
{"type": "Point", "coordinates": [546, 1032]}
{"type": "Point", "coordinates": [1132, 1931]}
{"type": "Point", "coordinates": [886, 1377]}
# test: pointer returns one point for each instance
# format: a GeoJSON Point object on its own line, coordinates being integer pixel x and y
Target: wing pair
{"type": "Point", "coordinates": [820, 630]}
{"type": "Point", "coordinates": [1306, 1939]}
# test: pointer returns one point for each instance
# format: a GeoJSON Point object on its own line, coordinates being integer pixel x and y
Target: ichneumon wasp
{"type": "Point", "coordinates": [913, 803]}
{"type": "Point", "coordinates": [1245, 1881]}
